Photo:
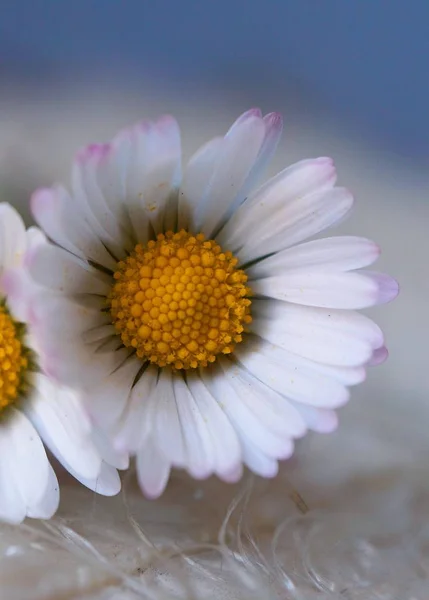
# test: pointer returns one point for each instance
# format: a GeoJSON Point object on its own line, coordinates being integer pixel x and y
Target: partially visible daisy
{"type": "Point", "coordinates": [34, 410]}
{"type": "Point", "coordinates": [205, 333]}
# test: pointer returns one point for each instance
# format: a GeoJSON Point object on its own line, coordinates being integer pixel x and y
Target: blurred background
{"type": "Point", "coordinates": [351, 79]}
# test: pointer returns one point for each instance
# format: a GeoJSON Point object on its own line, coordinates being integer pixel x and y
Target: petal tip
{"type": "Point", "coordinates": [143, 126]}
{"type": "Point", "coordinates": [40, 197]}
{"type": "Point", "coordinates": [255, 111]}
{"type": "Point", "coordinates": [92, 152]}
{"type": "Point", "coordinates": [388, 289]}
{"type": "Point", "coordinates": [152, 493]}
{"type": "Point", "coordinates": [327, 160]}
{"type": "Point", "coordinates": [274, 120]}
{"type": "Point", "coordinates": [379, 356]}
{"type": "Point", "coordinates": [166, 121]}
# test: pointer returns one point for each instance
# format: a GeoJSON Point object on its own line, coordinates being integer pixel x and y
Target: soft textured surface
{"type": "Point", "coordinates": [231, 543]}
{"type": "Point", "coordinates": [367, 482]}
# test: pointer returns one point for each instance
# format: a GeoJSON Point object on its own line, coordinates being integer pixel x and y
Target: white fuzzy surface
{"type": "Point", "coordinates": [366, 535]}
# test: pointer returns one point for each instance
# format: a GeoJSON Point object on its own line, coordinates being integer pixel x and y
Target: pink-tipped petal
{"type": "Point", "coordinates": [387, 287]}
{"type": "Point", "coordinates": [248, 114]}
{"type": "Point", "coordinates": [274, 128]}
{"type": "Point", "coordinates": [240, 149]}
{"type": "Point", "coordinates": [342, 253]}
{"type": "Point", "coordinates": [59, 270]}
{"type": "Point", "coordinates": [379, 356]}
{"type": "Point", "coordinates": [196, 180]}
{"type": "Point", "coordinates": [354, 290]}
{"type": "Point", "coordinates": [319, 419]}
{"type": "Point", "coordinates": [89, 200]}
{"type": "Point", "coordinates": [57, 214]}
{"type": "Point", "coordinates": [280, 207]}
{"type": "Point", "coordinates": [153, 174]}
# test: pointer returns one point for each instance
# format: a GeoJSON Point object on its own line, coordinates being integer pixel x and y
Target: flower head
{"type": "Point", "coordinates": [34, 410]}
{"type": "Point", "coordinates": [204, 330]}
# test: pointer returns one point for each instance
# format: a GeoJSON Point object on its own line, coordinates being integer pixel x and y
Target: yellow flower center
{"type": "Point", "coordinates": [180, 301]}
{"type": "Point", "coordinates": [13, 360]}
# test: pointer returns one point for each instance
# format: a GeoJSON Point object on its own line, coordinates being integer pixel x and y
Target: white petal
{"type": "Point", "coordinates": [257, 461]}
{"type": "Point", "coordinates": [92, 202]}
{"type": "Point", "coordinates": [237, 157]}
{"type": "Point", "coordinates": [167, 432]}
{"type": "Point", "coordinates": [106, 483]}
{"type": "Point", "coordinates": [128, 158]}
{"type": "Point", "coordinates": [108, 345]}
{"type": "Point", "coordinates": [326, 255]}
{"type": "Point", "coordinates": [18, 288]}
{"type": "Point", "coordinates": [292, 376]}
{"type": "Point", "coordinates": [48, 504]}
{"type": "Point", "coordinates": [318, 419]}
{"type": "Point", "coordinates": [269, 407]}
{"type": "Point", "coordinates": [251, 436]}
{"type": "Point", "coordinates": [196, 179]}
{"type": "Point", "coordinates": [13, 242]}
{"type": "Point", "coordinates": [153, 470]}
{"type": "Point", "coordinates": [273, 131]}
{"type": "Point", "coordinates": [61, 271]}
{"type": "Point", "coordinates": [246, 424]}
{"type": "Point", "coordinates": [153, 173]}
{"type": "Point", "coordinates": [111, 172]}
{"type": "Point", "coordinates": [108, 399]}
{"type": "Point", "coordinates": [131, 432]}
{"type": "Point", "coordinates": [329, 336]}
{"type": "Point", "coordinates": [58, 325]}
{"type": "Point", "coordinates": [100, 333]}
{"type": "Point", "coordinates": [276, 196]}
{"type": "Point", "coordinates": [294, 222]}
{"type": "Point", "coordinates": [379, 356]}
{"type": "Point", "coordinates": [107, 451]}
{"type": "Point", "coordinates": [17, 284]}
{"type": "Point", "coordinates": [85, 463]}
{"type": "Point", "coordinates": [59, 216]}
{"type": "Point", "coordinates": [57, 414]}
{"type": "Point", "coordinates": [28, 463]}
{"type": "Point", "coordinates": [199, 448]}
{"type": "Point", "coordinates": [345, 375]}
{"type": "Point", "coordinates": [67, 319]}
{"type": "Point", "coordinates": [93, 208]}
{"type": "Point", "coordinates": [74, 364]}
{"type": "Point", "coordinates": [251, 112]}
{"type": "Point", "coordinates": [35, 237]}
{"type": "Point", "coordinates": [226, 446]}
{"type": "Point", "coordinates": [211, 168]}
{"type": "Point", "coordinates": [12, 506]}
{"type": "Point", "coordinates": [353, 290]}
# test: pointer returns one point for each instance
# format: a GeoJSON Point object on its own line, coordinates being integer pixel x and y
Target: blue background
{"type": "Point", "coordinates": [365, 61]}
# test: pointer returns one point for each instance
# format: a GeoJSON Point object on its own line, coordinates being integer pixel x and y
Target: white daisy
{"type": "Point", "coordinates": [34, 410]}
{"type": "Point", "coordinates": [205, 333]}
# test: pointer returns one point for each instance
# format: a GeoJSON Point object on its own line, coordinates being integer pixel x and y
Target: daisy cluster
{"type": "Point", "coordinates": [182, 317]}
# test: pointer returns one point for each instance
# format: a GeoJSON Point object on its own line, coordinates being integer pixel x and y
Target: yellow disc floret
{"type": "Point", "coordinates": [13, 360]}
{"type": "Point", "coordinates": [180, 301]}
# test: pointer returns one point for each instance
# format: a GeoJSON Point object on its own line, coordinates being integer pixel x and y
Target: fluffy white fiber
{"type": "Point", "coordinates": [209, 541]}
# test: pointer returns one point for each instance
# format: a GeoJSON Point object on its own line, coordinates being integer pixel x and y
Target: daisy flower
{"type": "Point", "coordinates": [204, 331]}
{"type": "Point", "coordinates": [34, 410]}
